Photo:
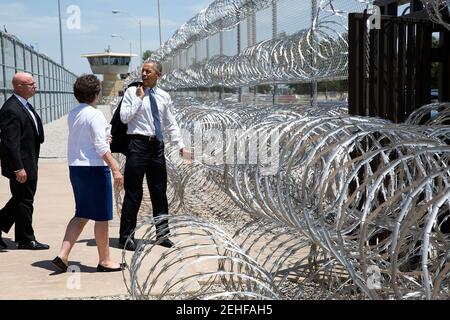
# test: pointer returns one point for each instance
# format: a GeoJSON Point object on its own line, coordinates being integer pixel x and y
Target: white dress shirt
{"type": "Point", "coordinates": [137, 114]}
{"type": "Point", "coordinates": [88, 137]}
{"type": "Point", "coordinates": [25, 104]}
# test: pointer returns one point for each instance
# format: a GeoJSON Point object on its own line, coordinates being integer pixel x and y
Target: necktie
{"type": "Point", "coordinates": [40, 127]}
{"type": "Point", "coordinates": [30, 107]}
{"type": "Point", "coordinates": [155, 115]}
{"type": "Point", "coordinates": [34, 116]}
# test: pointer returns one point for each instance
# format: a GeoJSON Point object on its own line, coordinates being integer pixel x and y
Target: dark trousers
{"type": "Point", "coordinates": [144, 158]}
{"type": "Point", "coordinates": [19, 210]}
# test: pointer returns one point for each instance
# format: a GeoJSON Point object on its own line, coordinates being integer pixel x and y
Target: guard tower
{"type": "Point", "coordinates": [113, 67]}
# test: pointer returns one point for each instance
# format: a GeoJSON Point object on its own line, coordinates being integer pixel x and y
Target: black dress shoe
{"type": "Point", "coordinates": [164, 242]}
{"type": "Point", "coordinates": [129, 245]}
{"type": "Point", "coordinates": [101, 268]}
{"type": "Point", "coordinates": [33, 245]}
{"type": "Point", "coordinates": [57, 262]}
{"type": "Point", "coordinates": [2, 243]}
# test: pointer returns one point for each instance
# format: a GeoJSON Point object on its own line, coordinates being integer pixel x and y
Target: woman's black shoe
{"type": "Point", "coordinates": [60, 264]}
{"type": "Point", "coordinates": [101, 268]}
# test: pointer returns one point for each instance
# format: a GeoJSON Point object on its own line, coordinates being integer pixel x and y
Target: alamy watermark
{"type": "Point", "coordinates": [74, 19]}
{"type": "Point", "coordinates": [234, 147]}
{"type": "Point", "coordinates": [374, 20]}
{"type": "Point", "coordinates": [73, 282]}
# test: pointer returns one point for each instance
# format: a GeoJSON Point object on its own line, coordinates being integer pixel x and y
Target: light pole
{"type": "Point", "coordinates": [140, 41]}
{"type": "Point", "coordinates": [140, 31]}
{"type": "Point", "coordinates": [159, 24]}
{"type": "Point", "coordinates": [114, 35]}
{"type": "Point", "coordinates": [60, 33]}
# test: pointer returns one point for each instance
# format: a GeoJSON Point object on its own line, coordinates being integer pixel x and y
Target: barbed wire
{"type": "Point", "coordinates": [356, 207]}
{"type": "Point", "coordinates": [283, 59]}
{"type": "Point", "coordinates": [316, 53]}
{"type": "Point", "coordinates": [346, 207]}
{"type": "Point", "coordinates": [438, 11]}
{"type": "Point", "coordinates": [218, 16]}
{"type": "Point", "coordinates": [204, 264]}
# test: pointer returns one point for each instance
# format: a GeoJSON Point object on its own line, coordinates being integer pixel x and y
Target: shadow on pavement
{"type": "Point", "coordinates": [74, 266]}
{"type": "Point", "coordinates": [113, 242]}
{"type": "Point", "coordinates": [11, 245]}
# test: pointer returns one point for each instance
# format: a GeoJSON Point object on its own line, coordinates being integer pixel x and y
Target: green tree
{"type": "Point", "coordinates": [147, 54]}
{"type": "Point", "coordinates": [435, 65]}
{"type": "Point", "coordinates": [264, 88]}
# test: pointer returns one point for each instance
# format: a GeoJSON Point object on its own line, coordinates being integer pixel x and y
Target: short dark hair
{"type": "Point", "coordinates": [157, 64]}
{"type": "Point", "coordinates": [86, 88]}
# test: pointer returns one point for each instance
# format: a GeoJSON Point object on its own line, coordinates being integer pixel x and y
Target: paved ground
{"type": "Point", "coordinates": [30, 274]}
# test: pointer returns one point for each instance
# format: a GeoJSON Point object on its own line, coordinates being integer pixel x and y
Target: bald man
{"type": "Point", "coordinates": [21, 134]}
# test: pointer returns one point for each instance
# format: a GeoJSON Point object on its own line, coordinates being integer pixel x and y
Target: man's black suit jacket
{"type": "Point", "coordinates": [19, 140]}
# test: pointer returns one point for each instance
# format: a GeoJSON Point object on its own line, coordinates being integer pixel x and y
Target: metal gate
{"type": "Point", "coordinates": [390, 68]}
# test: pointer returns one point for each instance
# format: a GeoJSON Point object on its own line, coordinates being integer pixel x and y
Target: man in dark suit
{"type": "Point", "coordinates": [21, 134]}
{"type": "Point", "coordinates": [147, 110]}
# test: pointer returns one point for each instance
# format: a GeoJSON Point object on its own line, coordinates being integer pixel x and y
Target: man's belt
{"type": "Point", "coordinates": [143, 138]}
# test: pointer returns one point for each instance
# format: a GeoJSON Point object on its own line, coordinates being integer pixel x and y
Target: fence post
{"type": "Point", "coordinates": [238, 30]}
{"type": "Point", "coordinates": [3, 68]}
{"type": "Point", "coordinates": [251, 37]}
{"type": "Point", "coordinates": [444, 67]}
{"type": "Point", "coordinates": [221, 53]}
{"type": "Point", "coordinates": [195, 62]}
{"type": "Point", "coordinates": [207, 59]}
{"type": "Point", "coordinates": [274, 35]}
{"type": "Point", "coordinates": [314, 16]}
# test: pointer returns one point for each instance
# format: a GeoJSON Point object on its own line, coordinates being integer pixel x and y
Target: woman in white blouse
{"type": "Point", "coordinates": [90, 166]}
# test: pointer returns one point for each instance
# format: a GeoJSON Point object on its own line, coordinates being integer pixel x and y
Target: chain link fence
{"type": "Point", "coordinates": [54, 94]}
{"type": "Point", "coordinates": [262, 51]}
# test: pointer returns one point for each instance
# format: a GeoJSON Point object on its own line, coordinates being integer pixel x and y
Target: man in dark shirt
{"type": "Point", "coordinates": [21, 134]}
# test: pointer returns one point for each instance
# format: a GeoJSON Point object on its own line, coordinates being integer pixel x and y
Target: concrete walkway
{"type": "Point", "coordinates": [30, 274]}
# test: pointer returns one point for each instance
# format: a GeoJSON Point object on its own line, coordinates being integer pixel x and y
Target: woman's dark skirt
{"type": "Point", "coordinates": [92, 189]}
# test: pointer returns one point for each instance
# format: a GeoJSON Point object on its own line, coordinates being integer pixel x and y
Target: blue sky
{"type": "Point", "coordinates": [36, 23]}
